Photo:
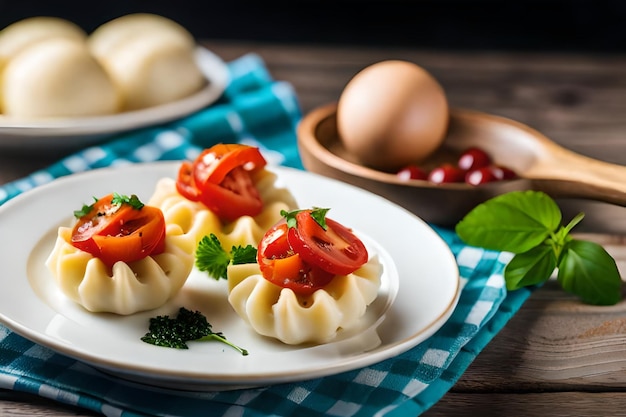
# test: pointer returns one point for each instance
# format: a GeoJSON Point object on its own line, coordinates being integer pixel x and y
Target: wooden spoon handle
{"type": "Point", "coordinates": [563, 173]}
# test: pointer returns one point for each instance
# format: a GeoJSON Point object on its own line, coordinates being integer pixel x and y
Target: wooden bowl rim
{"type": "Point", "coordinates": [307, 138]}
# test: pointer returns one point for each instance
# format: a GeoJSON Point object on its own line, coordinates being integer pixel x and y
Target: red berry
{"type": "Point", "coordinates": [473, 158]}
{"type": "Point", "coordinates": [446, 173]}
{"type": "Point", "coordinates": [480, 176]}
{"type": "Point", "coordinates": [503, 173]}
{"type": "Point", "coordinates": [412, 172]}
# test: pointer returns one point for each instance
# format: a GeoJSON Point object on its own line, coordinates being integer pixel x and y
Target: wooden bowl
{"type": "Point", "coordinates": [540, 163]}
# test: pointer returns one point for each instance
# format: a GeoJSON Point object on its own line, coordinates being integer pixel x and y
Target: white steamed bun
{"type": "Point", "coordinates": [19, 35]}
{"type": "Point", "coordinates": [57, 78]}
{"type": "Point", "coordinates": [111, 35]}
{"type": "Point", "coordinates": [149, 57]}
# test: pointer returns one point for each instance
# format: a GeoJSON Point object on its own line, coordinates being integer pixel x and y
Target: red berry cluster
{"type": "Point", "coordinates": [473, 167]}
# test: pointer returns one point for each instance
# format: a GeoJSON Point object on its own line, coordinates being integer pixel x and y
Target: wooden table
{"type": "Point", "coordinates": [556, 356]}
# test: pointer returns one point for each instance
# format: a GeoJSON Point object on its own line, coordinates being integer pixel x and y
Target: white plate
{"type": "Point", "coordinates": [420, 289]}
{"type": "Point", "coordinates": [64, 134]}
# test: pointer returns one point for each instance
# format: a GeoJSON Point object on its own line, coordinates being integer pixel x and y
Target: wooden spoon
{"type": "Point", "coordinates": [549, 166]}
{"type": "Point", "coordinates": [541, 164]}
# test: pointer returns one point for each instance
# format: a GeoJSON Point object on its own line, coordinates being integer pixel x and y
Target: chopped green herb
{"type": "Point", "coordinates": [212, 258]}
{"type": "Point", "coordinates": [318, 214]}
{"type": "Point", "coordinates": [528, 224]}
{"type": "Point", "coordinates": [85, 209]}
{"type": "Point", "coordinates": [133, 200]}
{"type": "Point", "coordinates": [187, 326]}
{"type": "Point", "coordinates": [118, 199]}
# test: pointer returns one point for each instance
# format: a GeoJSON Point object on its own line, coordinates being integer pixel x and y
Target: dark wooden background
{"type": "Point", "coordinates": [555, 25]}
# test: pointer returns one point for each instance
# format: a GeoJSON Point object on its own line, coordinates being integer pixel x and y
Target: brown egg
{"type": "Point", "coordinates": [391, 114]}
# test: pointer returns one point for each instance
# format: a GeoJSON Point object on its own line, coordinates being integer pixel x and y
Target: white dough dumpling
{"type": "Point", "coordinates": [196, 220]}
{"type": "Point", "coordinates": [135, 61]}
{"type": "Point", "coordinates": [293, 319]}
{"type": "Point", "coordinates": [126, 288]}
{"type": "Point", "coordinates": [115, 33]}
{"type": "Point", "coordinates": [151, 59]}
{"type": "Point", "coordinates": [120, 256]}
{"type": "Point", "coordinates": [57, 78]}
{"type": "Point", "coordinates": [26, 32]}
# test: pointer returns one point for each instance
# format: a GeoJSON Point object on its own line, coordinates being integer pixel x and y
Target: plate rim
{"type": "Point", "coordinates": [164, 378]}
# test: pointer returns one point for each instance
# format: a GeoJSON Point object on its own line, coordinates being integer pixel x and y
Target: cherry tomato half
{"type": "Point", "coordinates": [215, 163]}
{"type": "Point", "coordinates": [234, 197]}
{"type": "Point", "coordinates": [335, 249]}
{"type": "Point", "coordinates": [280, 265]}
{"type": "Point", "coordinates": [220, 177]}
{"type": "Point", "coordinates": [103, 218]}
{"type": "Point", "coordinates": [119, 232]}
{"type": "Point", "coordinates": [274, 243]}
{"type": "Point", "coordinates": [185, 183]}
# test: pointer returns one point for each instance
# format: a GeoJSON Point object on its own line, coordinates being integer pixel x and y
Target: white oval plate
{"type": "Point", "coordinates": [71, 133]}
{"type": "Point", "coordinates": [420, 289]}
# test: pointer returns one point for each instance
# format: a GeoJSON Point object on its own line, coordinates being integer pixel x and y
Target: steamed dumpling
{"type": "Point", "coordinates": [293, 319]}
{"type": "Point", "coordinates": [150, 58]}
{"type": "Point", "coordinates": [126, 288]}
{"type": "Point", "coordinates": [57, 78]}
{"type": "Point", "coordinates": [154, 70]}
{"type": "Point", "coordinates": [111, 35]}
{"type": "Point", "coordinates": [24, 33]}
{"type": "Point", "coordinates": [197, 221]}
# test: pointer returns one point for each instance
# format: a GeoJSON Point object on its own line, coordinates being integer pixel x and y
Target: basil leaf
{"type": "Point", "coordinates": [530, 268]}
{"type": "Point", "coordinates": [513, 222]}
{"type": "Point", "coordinates": [588, 271]}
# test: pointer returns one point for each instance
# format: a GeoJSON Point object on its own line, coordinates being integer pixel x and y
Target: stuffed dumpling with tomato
{"type": "Point", "coordinates": [120, 256]}
{"type": "Point", "coordinates": [313, 277]}
{"type": "Point", "coordinates": [226, 191]}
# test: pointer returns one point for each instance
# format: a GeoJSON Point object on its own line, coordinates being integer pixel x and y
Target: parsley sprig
{"type": "Point", "coordinates": [528, 224]}
{"type": "Point", "coordinates": [213, 259]}
{"type": "Point", "coordinates": [187, 326]}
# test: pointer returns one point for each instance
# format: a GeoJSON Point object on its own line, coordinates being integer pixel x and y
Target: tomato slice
{"type": "Point", "coordinates": [274, 243]}
{"type": "Point", "coordinates": [220, 177]}
{"type": "Point", "coordinates": [234, 197]}
{"type": "Point", "coordinates": [115, 233]}
{"type": "Point", "coordinates": [138, 237]}
{"type": "Point", "coordinates": [214, 164]}
{"type": "Point", "coordinates": [103, 218]}
{"type": "Point", "coordinates": [293, 273]}
{"type": "Point", "coordinates": [280, 265]}
{"type": "Point", "coordinates": [335, 249]}
{"type": "Point", "coordinates": [185, 183]}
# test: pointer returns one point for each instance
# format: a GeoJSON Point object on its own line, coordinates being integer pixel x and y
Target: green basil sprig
{"type": "Point", "coordinates": [528, 224]}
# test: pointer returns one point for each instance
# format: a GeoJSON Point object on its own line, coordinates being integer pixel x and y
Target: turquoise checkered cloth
{"type": "Point", "coordinates": [256, 109]}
